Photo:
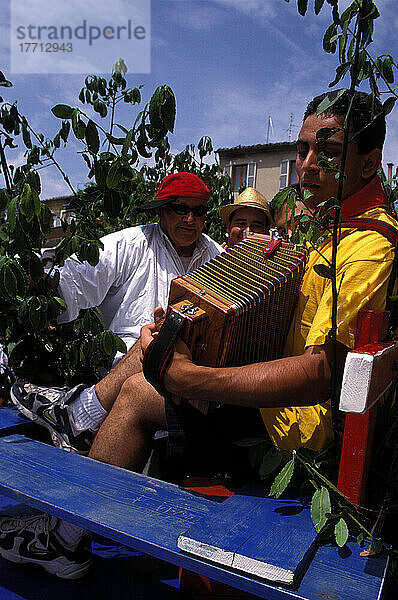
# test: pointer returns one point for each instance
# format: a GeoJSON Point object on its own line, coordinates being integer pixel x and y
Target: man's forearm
{"type": "Point", "coordinates": [294, 381]}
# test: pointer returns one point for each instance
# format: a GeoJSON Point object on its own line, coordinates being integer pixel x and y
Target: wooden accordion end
{"type": "Point", "coordinates": [234, 310]}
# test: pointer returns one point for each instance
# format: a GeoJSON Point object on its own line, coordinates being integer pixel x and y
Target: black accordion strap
{"type": "Point", "coordinates": [159, 351]}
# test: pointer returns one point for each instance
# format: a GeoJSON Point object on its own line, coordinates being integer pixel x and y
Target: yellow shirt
{"type": "Point", "coordinates": [364, 260]}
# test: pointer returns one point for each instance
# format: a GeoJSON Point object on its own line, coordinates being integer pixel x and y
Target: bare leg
{"type": "Point", "coordinates": [109, 387]}
{"type": "Point", "coordinates": [126, 436]}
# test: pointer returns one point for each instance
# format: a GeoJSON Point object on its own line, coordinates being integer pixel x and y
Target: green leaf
{"type": "Point", "coordinates": [108, 343]}
{"type": "Point", "coordinates": [162, 108]}
{"type": "Point", "coordinates": [112, 203]}
{"type": "Point", "coordinates": [64, 131]}
{"type": "Point", "coordinates": [376, 546]}
{"type": "Point", "coordinates": [328, 45]}
{"type": "Point", "coordinates": [102, 110]}
{"type": "Point", "coordinates": [86, 159]}
{"type": "Point", "coordinates": [60, 302]}
{"type": "Point", "coordinates": [127, 142]}
{"type": "Point", "coordinates": [330, 99]}
{"type": "Point", "coordinates": [142, 148]}
{"type": "Point", "coordinates": [361, 539]}
{"type": "Point", "coordinates": [12, 214]}
{"type": "Point", "coordinates": [288, 195]}
{"type": "Point", "coordinates": [324, 133]}
{"type": "Point", "coordinates": [302, 6]}
{"type": "Point", "coordinates": [92, 256]}
{"type": "Point", "coordinates": [34, 306]}
{"type": "Point", "coordinates": [45, 218]}
{"type": "Point", "coordinates": [36, 270]}
{"type": "Point", "coordinates": [26, 203]}
{"type": "Point", "coordinates": [318, 6]}
{"type": "Point", "coordinates": [388, 105]}
{"type": "Point", "coordinates": [78, 126]}
{"type": "Point", "coordinates": [62, 111]}
{"type": "Point", "coordinates": [270, 462]}
{"type": "Point", "coordinates": [9, 282]}
{"type": "Point", "coordinates": [340, 72]}
{"type": "Point", "coordinates": [25, 134]}
{"type": "Point", "coordinates": [120, 344]}
{"type": "Point", "coordinates": [136, 96]}
{"type": "Point", "coordinates": [282, 480]}
{"type": "Point", "coordinates": [92, 137]}
{"type": "Point", "coordinates": [323, 271]}
{"type": "Point", "coordinates": [320, 505]}
{"type": "Point", "coordinates": [114, 175]}
{"type": "Point", "coordinates": [57, 140]}
{"type": "Point", "coordinates": [4, 199]}
{"type": "Point", "coordinates": [328, 165]}
{"type": "Point", "coordinates": [341, 532]}
{"type": "Point", "coordinates": [313, 233]}
{"type": "Point", "coordinates": [388, 72]}
{"type": "Point", "coordinates": [117, 141]}
{"type": "Point", "coordinates": [34, 156]}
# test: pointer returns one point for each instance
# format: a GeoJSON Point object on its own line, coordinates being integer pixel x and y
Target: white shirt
{"type": "Point", "coordinates": [131, 279]}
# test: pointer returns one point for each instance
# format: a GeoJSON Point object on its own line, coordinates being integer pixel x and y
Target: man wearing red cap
{"type": "Point", "coordinates": [131, 279]}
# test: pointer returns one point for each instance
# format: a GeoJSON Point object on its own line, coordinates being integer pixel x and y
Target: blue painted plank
{"type": "Point", "coordinates": [269, 538]}
{"type": "Point", "coordinates": [11, 421]}
{"type": "Point", "coordinates": [149, 515]}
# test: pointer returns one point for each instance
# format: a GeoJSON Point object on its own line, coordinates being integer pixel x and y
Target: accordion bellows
{"type": "Point", "coordinates": [234, 310]}
{"type": "Point", "coordinates": [239, 305]}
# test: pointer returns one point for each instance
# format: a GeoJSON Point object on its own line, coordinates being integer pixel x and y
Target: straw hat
{"type": "Point", "coordinates": [249, 198]}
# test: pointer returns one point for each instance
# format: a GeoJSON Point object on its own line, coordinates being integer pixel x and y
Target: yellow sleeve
{"type": "Point", "coordinates": [361, 284]}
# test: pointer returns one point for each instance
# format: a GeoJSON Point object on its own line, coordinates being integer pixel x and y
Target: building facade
{"type": "Point", "coordinates": [266, 167]}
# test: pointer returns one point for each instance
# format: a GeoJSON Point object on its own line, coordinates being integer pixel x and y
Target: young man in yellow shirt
{"type": "Point", "coordinates": [292, 392]}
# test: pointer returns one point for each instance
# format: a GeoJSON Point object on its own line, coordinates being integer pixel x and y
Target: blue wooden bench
{"type": "Point", "coordinates": [11, 421]}
{"type": "Point", "coordinates": [154, 517]}
{"type": "Point", "coordinates": [149, 516]}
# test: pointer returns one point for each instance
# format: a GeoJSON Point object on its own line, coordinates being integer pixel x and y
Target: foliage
{"type": "Point", "coordinates": [348, 37]}
{"type": "Point", "coordinates": [37, 347]}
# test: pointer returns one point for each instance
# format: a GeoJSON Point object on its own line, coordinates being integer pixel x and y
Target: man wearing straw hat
{"type": "Point", "coordinates": [248, 213]}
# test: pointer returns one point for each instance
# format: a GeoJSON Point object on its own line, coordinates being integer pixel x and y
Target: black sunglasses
{"type": "Point", "coordinates": [184, 209]}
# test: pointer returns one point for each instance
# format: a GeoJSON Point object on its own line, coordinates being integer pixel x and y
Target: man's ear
{"type": "Point", "coordinates": [370, 163]}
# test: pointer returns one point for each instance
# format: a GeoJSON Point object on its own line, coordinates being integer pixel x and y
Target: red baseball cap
{"type": "Point", "coordinates": [184, 185]}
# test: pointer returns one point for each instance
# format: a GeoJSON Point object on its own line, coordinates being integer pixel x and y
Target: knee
{"type": "Point", "coordinates": [138, 401]}
{"type": "Point", "coordinates": [129, 395]}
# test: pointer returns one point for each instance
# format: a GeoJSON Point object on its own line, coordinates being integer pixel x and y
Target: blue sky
{"type": "Point", "coordinates": [230, 63]}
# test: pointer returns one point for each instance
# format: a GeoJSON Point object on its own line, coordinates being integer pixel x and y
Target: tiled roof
{"type": "Point", "coordinates": [65, 198]}
{"type": "Point", "coordinates": [258, 148]}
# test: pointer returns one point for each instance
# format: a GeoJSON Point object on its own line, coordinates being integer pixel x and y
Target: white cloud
{"type": "Point", "coordinates": [257, 9]}
{"type": "Point", "coordinates": [52, 184]}
{"type": "Point", "coordinates": [196, 17]}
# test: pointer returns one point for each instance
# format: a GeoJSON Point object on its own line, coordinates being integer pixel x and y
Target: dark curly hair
{"type": "Point", "coordinates": [362, 116]}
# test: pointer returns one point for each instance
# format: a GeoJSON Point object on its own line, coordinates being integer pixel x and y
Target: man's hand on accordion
{"type": "Point", "coordinates": [150, 331]}
{"type": "Point", "coordinates": [181, 354]}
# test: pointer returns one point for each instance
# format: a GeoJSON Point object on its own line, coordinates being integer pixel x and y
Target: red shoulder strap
{"type": "Point", "coordinates": [385, 229]}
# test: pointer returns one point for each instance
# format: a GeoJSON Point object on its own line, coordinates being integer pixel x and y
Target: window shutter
{"type": "Point", "coordinates": [251, 174]}
{"type": "Point", "coordinates": [283, 178]}
{"type": "Point", "coordinates": [228, 170]}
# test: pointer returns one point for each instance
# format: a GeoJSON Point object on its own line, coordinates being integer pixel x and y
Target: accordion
{"type": "Point", "coordinates": [234, 310]}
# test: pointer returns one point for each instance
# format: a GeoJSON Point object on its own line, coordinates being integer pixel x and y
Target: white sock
{"type": "Point", "coordinates": [72, 534]}
{"type": "Point", "coordinates": [86, 411]}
